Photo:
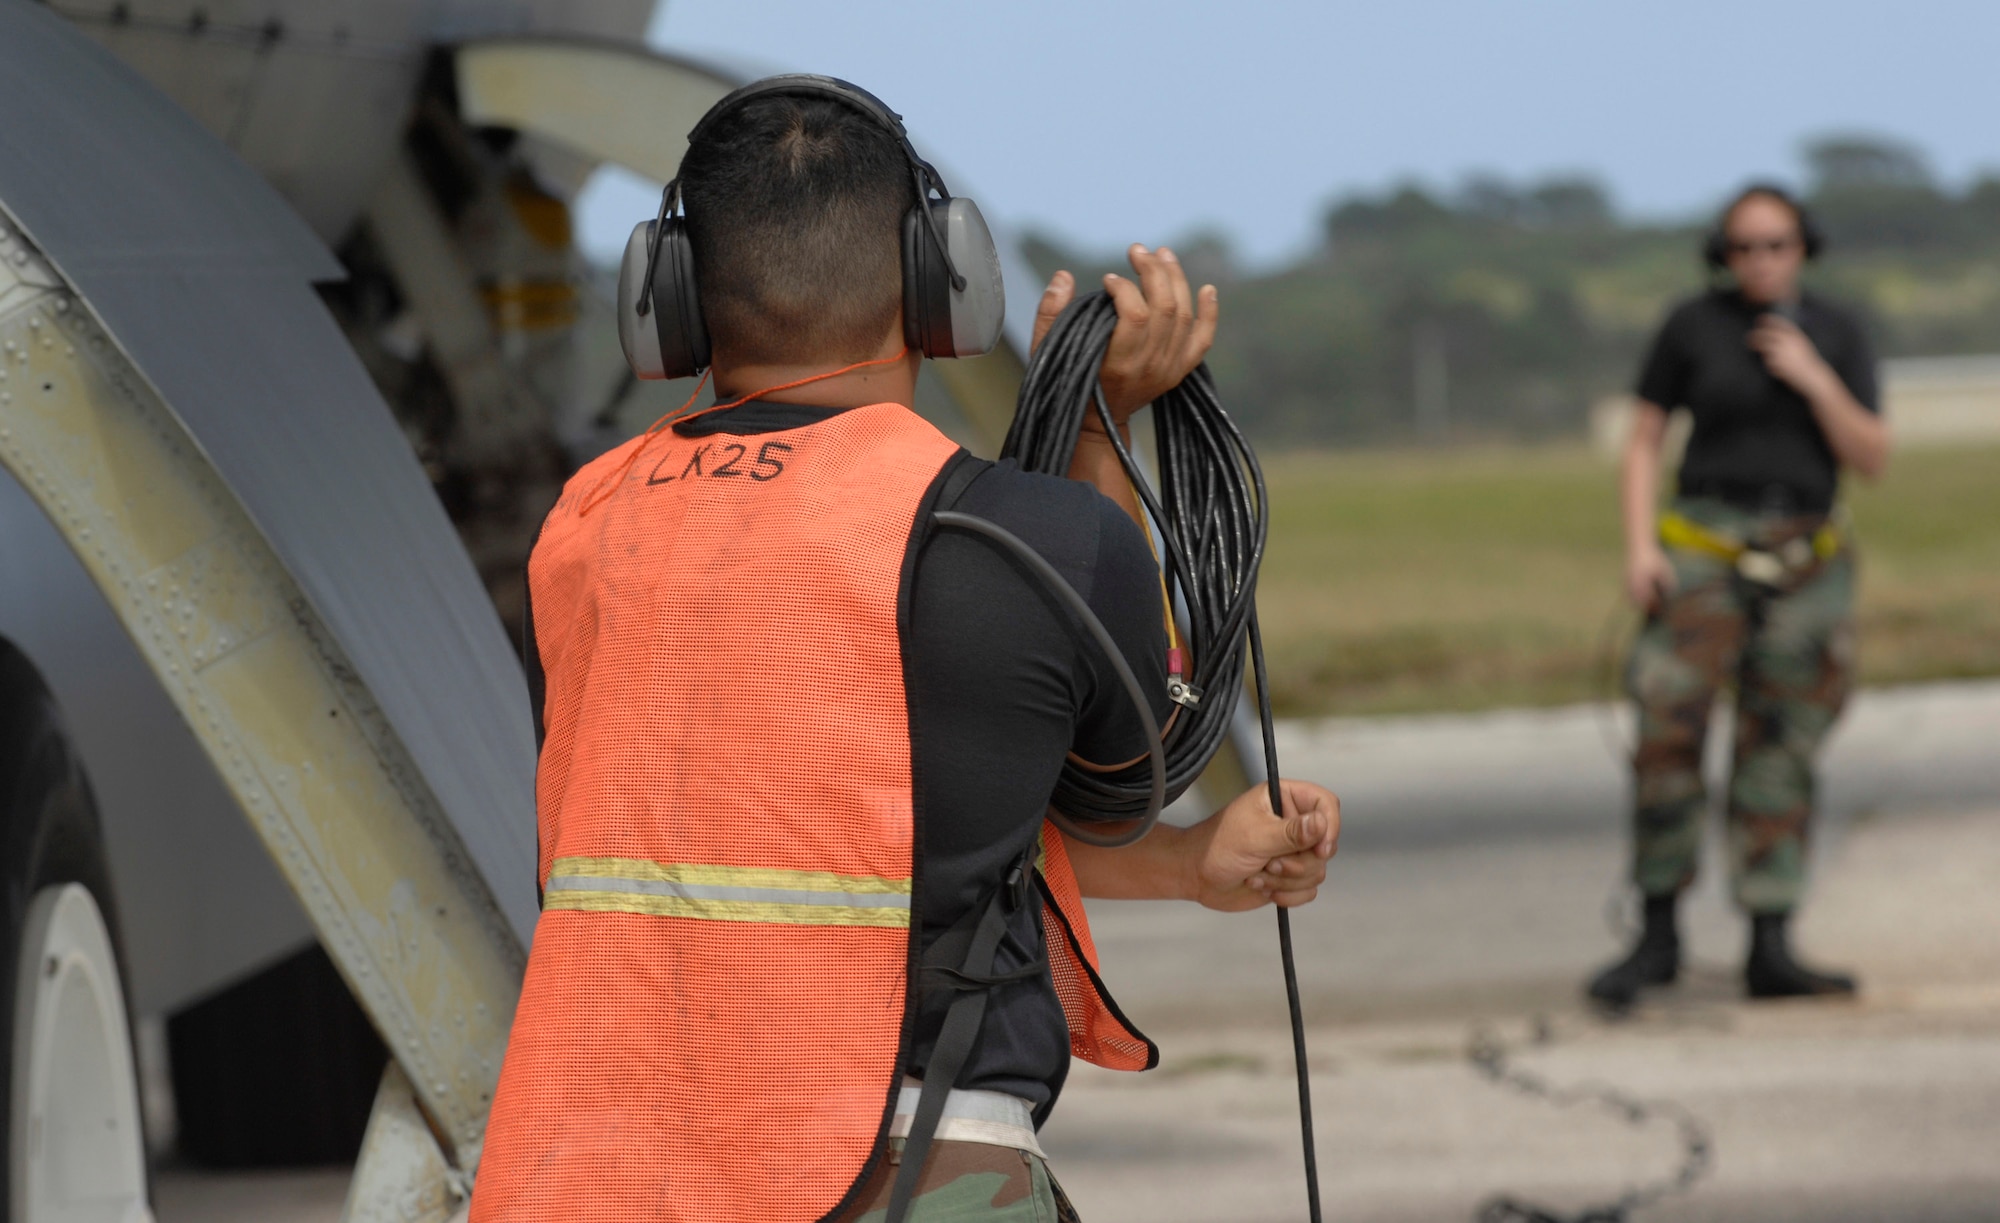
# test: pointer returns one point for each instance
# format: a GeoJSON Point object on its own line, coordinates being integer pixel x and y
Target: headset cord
{"type": "Point", "coordinates": [1212, 512]}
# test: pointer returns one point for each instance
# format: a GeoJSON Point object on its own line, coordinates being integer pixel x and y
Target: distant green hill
{"type": "Point", "coordinates": [1504, 312]}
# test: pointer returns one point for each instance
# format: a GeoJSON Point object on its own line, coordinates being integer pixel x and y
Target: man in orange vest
{"type": "Point", "coordinates": [798, 747]}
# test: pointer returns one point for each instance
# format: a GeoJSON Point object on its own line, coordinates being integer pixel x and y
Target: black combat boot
{"type": "Point", "coordinates": [1655, 961]}
{"type": "Point", "coordinates": [1773, 973]}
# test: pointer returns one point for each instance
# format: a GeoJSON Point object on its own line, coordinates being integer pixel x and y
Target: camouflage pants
{"type": "Point", "coordinates": [1788, 652]}
{"type": "Point", "coordinates": [969, 1182]}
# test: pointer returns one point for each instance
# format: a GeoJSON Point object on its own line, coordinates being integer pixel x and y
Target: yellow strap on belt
{"type": "Point", "coordinates": [1680, 531]}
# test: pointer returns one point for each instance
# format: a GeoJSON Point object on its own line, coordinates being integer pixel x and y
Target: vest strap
{"type": "Point", "coordinates": [959, 1033]}
{"type": "Point", "coordinates": [960, 471]}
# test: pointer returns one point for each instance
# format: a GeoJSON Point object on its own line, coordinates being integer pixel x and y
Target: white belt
{"type": "Point", "coordinates": [991, 1117]}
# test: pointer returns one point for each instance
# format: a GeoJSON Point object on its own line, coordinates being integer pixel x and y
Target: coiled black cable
{"type": "Point", "coordinates": [1213, 514]}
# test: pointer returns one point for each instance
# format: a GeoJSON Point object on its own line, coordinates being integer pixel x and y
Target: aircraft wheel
{"type": "Point", "coordinates": [69, 1098]}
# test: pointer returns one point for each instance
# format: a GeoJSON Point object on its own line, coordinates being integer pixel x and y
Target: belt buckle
{"type": "Point", "coordinates": [1761, 567]}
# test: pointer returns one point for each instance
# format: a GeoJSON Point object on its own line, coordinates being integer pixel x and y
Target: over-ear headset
{"type": "Point", "coordinates": [1715, 247]}
{"type": "Point", "coordinates": [953, 298]}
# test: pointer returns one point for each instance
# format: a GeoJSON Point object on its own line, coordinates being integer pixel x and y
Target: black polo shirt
{"type": "Point", "coordinates": [1755, 442]}
{"type": "Point", "coordinates": [1002, 683]}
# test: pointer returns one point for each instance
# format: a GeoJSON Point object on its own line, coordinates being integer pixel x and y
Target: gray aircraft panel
{"type": "Point", "coordinates": [140, 190]}
{"type": "Point", "coordinates": [202, 273]}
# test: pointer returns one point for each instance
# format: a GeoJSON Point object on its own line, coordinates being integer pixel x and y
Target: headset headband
{"type": "Point", "coordinates": [810, 85]}
{"type": "Point", "coordinates": [831, 88]}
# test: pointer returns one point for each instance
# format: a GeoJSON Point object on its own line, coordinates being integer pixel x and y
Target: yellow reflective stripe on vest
{"type": "Point", "coordinates": [726, 893]}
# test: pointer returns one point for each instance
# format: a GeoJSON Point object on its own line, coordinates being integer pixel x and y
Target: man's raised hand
{"type": "Point", "coordinates": [1164, 329]}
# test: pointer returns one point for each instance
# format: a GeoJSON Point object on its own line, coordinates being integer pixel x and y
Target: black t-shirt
{"type": "Point", "coordinates": [1002, 683]}
{"type": "Point", "coordinates": [1755, 442]}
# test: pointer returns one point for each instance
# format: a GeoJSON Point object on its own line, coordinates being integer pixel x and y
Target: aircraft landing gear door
{"type": "Point", "coordinates": [299, 740]}
{"type": "Point", "coordinates": [77, 1152]}
{"type": "Point", "coordinates": [190, 421]}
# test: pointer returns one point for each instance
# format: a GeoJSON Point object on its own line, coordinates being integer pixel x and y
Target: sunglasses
{"type": "Point", "coordinates": [1765, 246]}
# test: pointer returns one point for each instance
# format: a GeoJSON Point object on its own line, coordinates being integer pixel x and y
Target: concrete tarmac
{"type": "Point", "coordinates": [1474, 891]}
{"type": "Point", "coordinates": [1475, 888]}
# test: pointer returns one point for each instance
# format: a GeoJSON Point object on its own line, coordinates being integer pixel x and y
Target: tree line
{"type": "Point", "coordinates": [1499, 309]}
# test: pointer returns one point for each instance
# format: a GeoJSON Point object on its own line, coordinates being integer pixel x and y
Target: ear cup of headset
{"type": "Point", "coordinates": [939, 320]}
{"type": "Point", "coordinates": [1715, 250]}
{"type": "Point", "coordinates": [637, 333]}
{"type": "Point", "coordinates": [669, 340]}
{"type": "Point", "coordinates": [1815, 237]}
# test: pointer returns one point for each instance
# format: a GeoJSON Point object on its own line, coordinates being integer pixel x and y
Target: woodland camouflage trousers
{"type": "Point", "coordinates": [1788, 651]}
{"type": "Point", "coordinates": [968, 1182]}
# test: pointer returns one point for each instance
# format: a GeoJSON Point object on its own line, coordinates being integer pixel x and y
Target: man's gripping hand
{"type": "Point", "coordinates": [1239, 858]}
{"type": "Point", "coordinates": [1242, 858]}
{"type": "Point", "coordinates": [1164, 330]}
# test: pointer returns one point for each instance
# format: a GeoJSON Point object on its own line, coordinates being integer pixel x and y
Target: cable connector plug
{"type": "Point", "coordinates": [1179, 691]}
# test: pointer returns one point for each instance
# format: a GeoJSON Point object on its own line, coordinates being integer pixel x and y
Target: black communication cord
{"type": "Point", "coordinates": [1156, 755]}
{"type": "Point", "coordinates": [1495, 1062]}
{"type": "Point", "coordinates": [1213, 514]}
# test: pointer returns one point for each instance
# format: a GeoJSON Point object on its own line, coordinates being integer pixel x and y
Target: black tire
{"type": "Point", "coordinates": [49, 834]}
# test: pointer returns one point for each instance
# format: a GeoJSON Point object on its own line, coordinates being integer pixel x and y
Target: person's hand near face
{"type": "Point", "coordinates": [1790, 356]}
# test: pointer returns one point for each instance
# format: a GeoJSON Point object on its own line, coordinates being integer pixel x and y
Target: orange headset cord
{"type": "Point", "coordinates": [605, 487]}
{"type": "Point", "coordinates": [899, 354]}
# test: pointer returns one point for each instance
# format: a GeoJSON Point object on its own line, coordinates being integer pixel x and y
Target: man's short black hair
{"type": "Point", "coordinates": [794, 212]}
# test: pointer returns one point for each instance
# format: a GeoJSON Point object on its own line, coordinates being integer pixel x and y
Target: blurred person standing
{"type": "Point", "coordinates": [1747, 581]}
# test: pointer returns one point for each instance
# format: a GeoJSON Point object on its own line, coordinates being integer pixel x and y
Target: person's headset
{"type": "Point", "coordinates": [953, 300]}
{"type": "Point", "coordinates": [1715, 247]}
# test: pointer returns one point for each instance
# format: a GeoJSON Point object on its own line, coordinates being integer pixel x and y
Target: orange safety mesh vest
{"type": "Point", "coordinates": [1098, 1032]}
{"type": "Point", "coordinates": [712, 1023]}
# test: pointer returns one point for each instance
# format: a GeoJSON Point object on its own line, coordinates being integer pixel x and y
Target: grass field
{"type": "Point", "coordinates": [1406, 581]}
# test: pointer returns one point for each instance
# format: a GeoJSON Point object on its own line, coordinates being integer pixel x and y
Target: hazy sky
{"type": "Point", "coordinates": [1108, 121]}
